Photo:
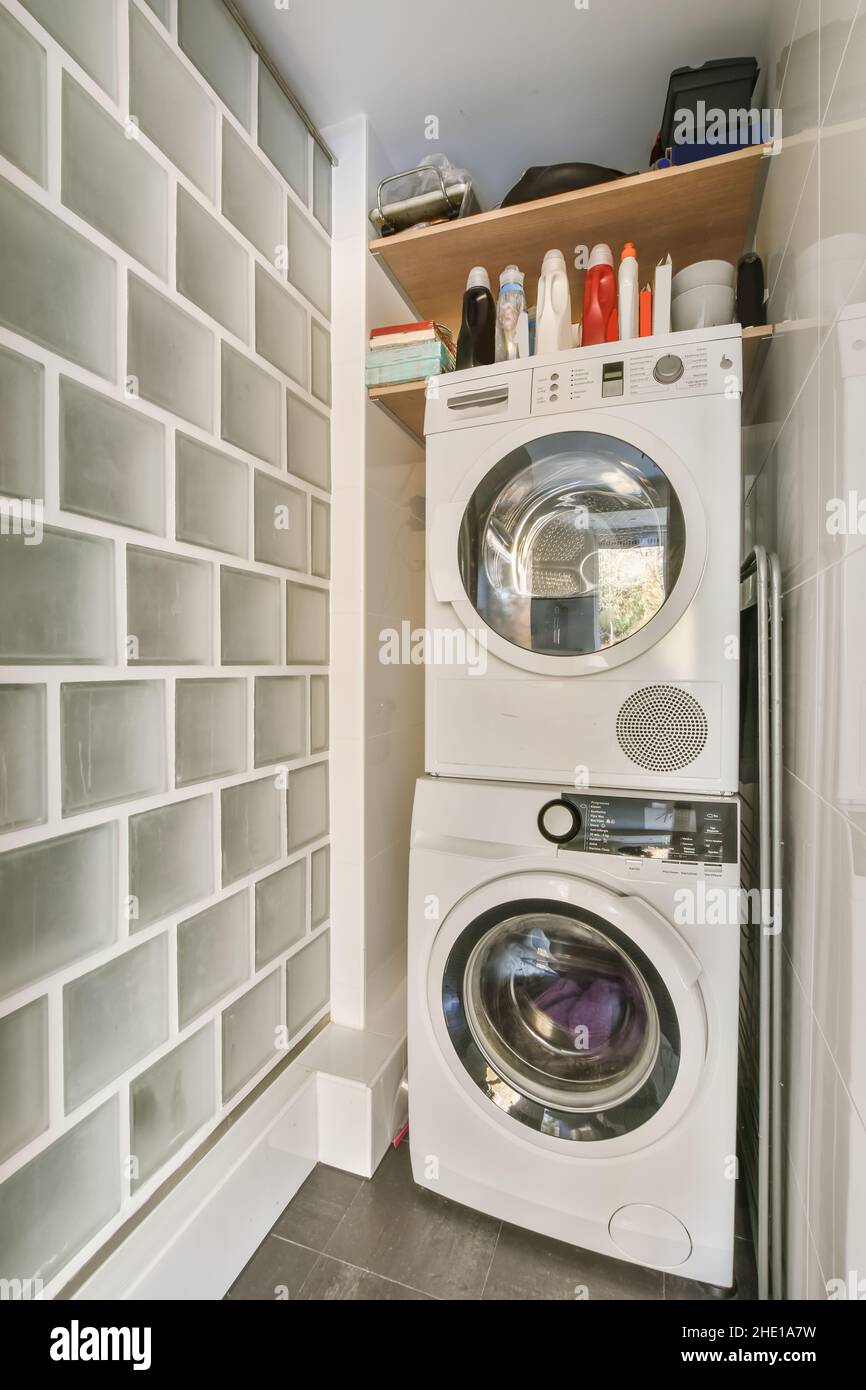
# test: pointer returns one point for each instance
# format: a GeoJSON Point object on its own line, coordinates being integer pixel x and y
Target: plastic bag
{"type": "Point", "coordinates": [434, 191]}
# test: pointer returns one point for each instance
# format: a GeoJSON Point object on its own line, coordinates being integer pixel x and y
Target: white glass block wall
{"type": "Point", "coordinates": [164, 635]}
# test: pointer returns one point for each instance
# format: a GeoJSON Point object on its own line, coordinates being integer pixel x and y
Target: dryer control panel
{"type": "Point", "coordinates": [668, 831]}
{"type": "Point", "coordinates": [652, 373]}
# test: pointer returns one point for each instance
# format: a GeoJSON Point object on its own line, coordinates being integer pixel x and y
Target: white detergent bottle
{"type": "Point", "coordinates": [629, 293]}
{"type": "Point", "coordinates": [553, 316]}
{"type": "Point", "coordinates": [512, 320]}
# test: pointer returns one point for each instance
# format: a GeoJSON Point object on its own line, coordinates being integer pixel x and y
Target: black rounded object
{"type": "Point", "coordinates": [568, 834]}
{"type": "Point", "coordinates": [751, 311]}
{"type": "Point", "coordinates": [544, 180]}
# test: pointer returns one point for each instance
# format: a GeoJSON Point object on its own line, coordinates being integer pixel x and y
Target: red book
{"type": "Point", "coordinates": [403, 328]}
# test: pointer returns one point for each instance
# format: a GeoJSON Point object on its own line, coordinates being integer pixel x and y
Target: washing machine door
{"type": "Point", "coordinates": [572, 1010]}
{"type": "Point", "coordinates": [571, 549]}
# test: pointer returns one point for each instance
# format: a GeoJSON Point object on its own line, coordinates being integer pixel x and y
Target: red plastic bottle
{"type": "Point", "coordinates": [599, 298]}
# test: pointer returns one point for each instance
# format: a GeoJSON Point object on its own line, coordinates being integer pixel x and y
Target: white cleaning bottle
{"type": "Point", "coordinates": [629, 293]}
{"type": "Point", "coordinates": [553, 314]}
{"type": "Point", "coordinates": [512, 320]}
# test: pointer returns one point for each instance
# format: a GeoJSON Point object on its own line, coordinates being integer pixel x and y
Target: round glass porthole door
{"type": "Point", "coordinates": [561, 1020]}
{"type": "Point", "coordinates": [571, 544]}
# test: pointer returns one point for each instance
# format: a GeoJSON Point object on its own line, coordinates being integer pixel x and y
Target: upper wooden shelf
{"type": "Point", "coordinates": [695, 211]}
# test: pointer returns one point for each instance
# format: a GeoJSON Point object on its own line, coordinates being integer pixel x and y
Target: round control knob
{"type": "Point", "coordinates": [558, 821]}
{"type": "Point", "coordinates": [668, 369]}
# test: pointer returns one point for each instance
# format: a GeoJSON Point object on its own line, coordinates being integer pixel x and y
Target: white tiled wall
{"type": "Point", "coordinates": [164, 808]}
{"type": "Point", "coordinates": [805, 448]}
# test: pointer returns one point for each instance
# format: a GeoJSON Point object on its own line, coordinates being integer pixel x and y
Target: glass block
{"type": "Point", "coordinates": [60, 902]}
{"type": "Point", "coordinates": [281, 523]}
{"type": "Point", "coordinates": [210, 729]}
{"type": "Point", "coordinates": [308, 804]}
{"type": "Point", "coordinates": [169, 105]}
{"type": "Point", "coordinates": [170, 1101]}
{"type": "Point", "coordinates": [22, 756]}
{"type": "Point", "coordinates": [58, 599]}
{"type": "Point", "coordinates": [112, 1017]}
{"type": "Point", "coordinates": [320, 539]}
{"type": "Point", "coordinates": [252, 402]}
{"type": "Point", "coordinates": [281, 911]}
{"type": "Point", "coordinates": [88, 32]}
{"type": "Point", "coordinates": [252, 198]}
{"type": "Point", "coordinates": [220, 50]}
{"type": "Point", "coordinates": [112, 742]}
{"type": "Point", "coordinates": [250, 827]}
{"type": "Point", "coordinates": [111, 181]}
{"type": "Point", "coordinates": [170, 859]}
{"type": "Point", "coordinates": [213, 955]}
{"type": "Point", "coordinates": [281, 327]}
{"type": "Point", "coordinates": [112, 460]}
{"type": "Point", "coordinates": [22, 444]}
{"type": "Point", "coordinates": [168, 604]}
{"type": "Point", "coordinates": [320, 881]}
{"type": "Point", "coordinates": [280, 719]}
{"type": "Point", "coordinates": [211, 497]}
{"type": "Point", "coordinates": [309, 443]}
{"type": "Point", "coordinates": [249, 618]}
{"type": "Point", "coordinates": [320, 379]}
{"type": "Point", "coordinates": [169, 355]}
{"type": "Point", "coordinates": [308, 983]}
{"type": "Point", "coordinates": [319, 718]}
{"type": "Point", "coordinates": [321, 186]}
{"type": "Point", "coordinates": [282, 134]}
{"type": "Point", "coordinates": [23, 1076]}
{"type": "Point", "coordinates": [55, 286]}
{"type": "Point", "coordinates": [22, 98]}
{"type": "Point", "coordinates": [212, 268]}
{"type": "Point", "coordinates": [52, 1206]}
{"type": "Point", "coordinates": [306, 626]}
{"type": "Point", "coordinates": [249, 1038]}
{"type": "Point", "coordinates": [309, 260]}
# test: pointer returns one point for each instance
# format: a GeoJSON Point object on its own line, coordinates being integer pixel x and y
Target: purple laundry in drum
{"type": "Point", "coordinates": [598, 1009]}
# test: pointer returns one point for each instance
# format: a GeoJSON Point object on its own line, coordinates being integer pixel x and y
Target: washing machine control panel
{"type": "Point", "coordinates": [695, 369]}
{"type": "Point", "coordinates": [661, 829]}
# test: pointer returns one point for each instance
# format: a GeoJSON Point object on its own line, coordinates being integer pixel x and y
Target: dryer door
{"type": "Point", "coordinates": [570, 1009]}
{"type": "Point", "coordinates": [571, 549]}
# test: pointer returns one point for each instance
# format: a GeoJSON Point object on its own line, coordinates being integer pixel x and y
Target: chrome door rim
{"type": "Point", "coordinates": [506, 1061]}
{"type": "Point", "coordinates": [615, 1122]}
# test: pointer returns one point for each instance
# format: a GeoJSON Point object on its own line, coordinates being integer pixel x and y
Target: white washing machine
{"type": "Point", "coordinates": [572, 1043]}
{"type": "Point", "coordinates": [584, 542]}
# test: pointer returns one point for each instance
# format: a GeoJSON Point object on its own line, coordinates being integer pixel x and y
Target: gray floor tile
{"type": "Point", "coordinates": [415, 1237]}
{"type": "Point", "coordinates": [530, 1266]}
{"type": "Point", "coordinates": [333, 1279]}
{"type": "Point", "coordinates": [276, 1271]}
{"type": "Point", "coordinates": [676, 1287]}
{"type": "Point", "coordinates": [318, 1207]}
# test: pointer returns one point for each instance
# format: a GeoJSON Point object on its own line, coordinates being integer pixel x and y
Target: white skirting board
{"type": "Point", "coordinates": [334, 1105]}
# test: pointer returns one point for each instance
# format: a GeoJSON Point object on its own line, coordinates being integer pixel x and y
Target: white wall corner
{"type": "Point", "coordinates": [340, 1102]}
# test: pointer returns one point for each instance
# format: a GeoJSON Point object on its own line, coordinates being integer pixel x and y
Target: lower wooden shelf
{"type": "Point", "coordinates": [406, 402]}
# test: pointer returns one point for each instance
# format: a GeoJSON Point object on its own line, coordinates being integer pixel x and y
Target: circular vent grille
{"type": "Point", "coordinates": [661, 728]}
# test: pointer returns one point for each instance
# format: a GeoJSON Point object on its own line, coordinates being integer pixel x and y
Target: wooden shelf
{"type": "Point", "coordinates": [695, 211]}
{"type": "Point", "coordinates": [405, 403]}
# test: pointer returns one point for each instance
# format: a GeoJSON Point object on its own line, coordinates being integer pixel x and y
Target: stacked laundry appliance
{"type": "Point", "coordinates": [573, 910]}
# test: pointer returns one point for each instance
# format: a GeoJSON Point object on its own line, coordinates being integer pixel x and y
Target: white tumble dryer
{"type": "Point", "coordinates": [573, 986]}
{"type": "Point", "coordinates": [583, 545]}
